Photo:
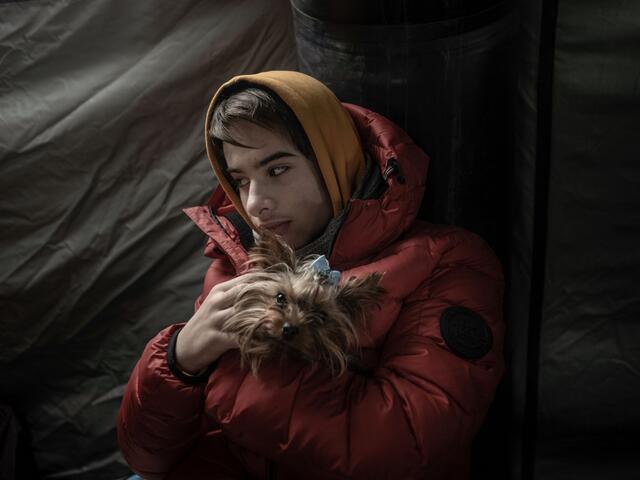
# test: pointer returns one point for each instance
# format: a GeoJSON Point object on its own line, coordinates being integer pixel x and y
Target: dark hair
{"type": "Point", "coordinates": [257, 105]}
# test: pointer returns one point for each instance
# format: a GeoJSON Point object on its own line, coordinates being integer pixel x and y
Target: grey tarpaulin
{"type": "Point", "coordinates": [574, 266]}
{"type": "Point", "coordinates": [102, 106]}
{"type": "Point", "coordinates": [589, 369]}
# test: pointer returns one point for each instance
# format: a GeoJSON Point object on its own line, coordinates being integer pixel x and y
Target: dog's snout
{"type": "Point", "coordinates": [288, 330]}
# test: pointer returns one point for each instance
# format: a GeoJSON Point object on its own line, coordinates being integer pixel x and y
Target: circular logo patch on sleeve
{"type": "Point", "coordinates": [465, 332]}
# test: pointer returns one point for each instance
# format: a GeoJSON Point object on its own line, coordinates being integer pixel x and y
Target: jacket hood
{"type": "Point", "coordinates": [372, 225]}
{"type": "Point", "coordinates": [328, 126]}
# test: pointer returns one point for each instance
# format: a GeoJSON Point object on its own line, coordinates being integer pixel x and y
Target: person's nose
{"type": "Point", "coordinates": [260, 202]}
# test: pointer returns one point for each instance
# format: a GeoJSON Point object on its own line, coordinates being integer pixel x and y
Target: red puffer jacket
{"type": "Point", "coordinates": [434, 351]}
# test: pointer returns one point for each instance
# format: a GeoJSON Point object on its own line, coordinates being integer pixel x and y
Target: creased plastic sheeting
{"type": "Point", "coordinates": [589, 382]}
{"type": "Point", "coordinates": [102, 109]}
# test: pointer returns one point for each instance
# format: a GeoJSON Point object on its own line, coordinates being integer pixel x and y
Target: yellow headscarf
{"type": "Point", "coordinates": [328, 126]}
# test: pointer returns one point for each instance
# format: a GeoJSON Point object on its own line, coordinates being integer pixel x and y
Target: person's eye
{"type": "Point", "coordinates": [240, 182]}
{"type": "Point", "coordinates": [275, 171]}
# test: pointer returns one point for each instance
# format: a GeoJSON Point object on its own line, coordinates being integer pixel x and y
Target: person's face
{"type": "Point", "coordinates": [280, 189]}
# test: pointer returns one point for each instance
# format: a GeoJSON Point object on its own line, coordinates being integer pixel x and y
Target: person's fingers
{"type": "Point", "coordinates": [217, 296]}
{"type": "Point", "coordinates": [222, 315]}
{"type": "Point", "coordinates": [224, 294]}
{"type": "Point", "coordinates": [229, 284]}
{"type": "Point", "coordinates": [228, 297]}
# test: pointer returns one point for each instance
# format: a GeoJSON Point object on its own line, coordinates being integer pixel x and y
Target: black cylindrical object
{"type": "Point", "coordinates": [440, 71]}
{"type": "Point", "coordinates": [388, 12]}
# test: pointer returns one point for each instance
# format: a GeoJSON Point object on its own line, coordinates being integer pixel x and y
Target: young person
{"type": "Point", "coordinates": [339, 180]}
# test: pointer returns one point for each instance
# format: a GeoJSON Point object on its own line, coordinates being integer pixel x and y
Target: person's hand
{"type": "Point", "coordinates": [201, 341]}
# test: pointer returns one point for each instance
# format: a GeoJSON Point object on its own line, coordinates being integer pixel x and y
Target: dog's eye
{"type": "Point", "coordinates": [281, 299]}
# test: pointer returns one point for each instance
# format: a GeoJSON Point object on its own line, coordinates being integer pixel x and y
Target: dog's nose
{"type": "Point", "coordinates": [289, 330]}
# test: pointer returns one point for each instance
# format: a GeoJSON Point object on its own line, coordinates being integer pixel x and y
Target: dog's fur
{"type": "Point", "coordinates": [323, 319]}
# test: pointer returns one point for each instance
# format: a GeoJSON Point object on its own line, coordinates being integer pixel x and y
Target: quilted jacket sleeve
{"type": "Point", "coordinates": [160, 416]}
{"type": "Point", "coordinates": [414, 417]}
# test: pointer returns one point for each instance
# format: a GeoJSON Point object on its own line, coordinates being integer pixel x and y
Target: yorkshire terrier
{"type": "Point", "coordinates": [299, 308]}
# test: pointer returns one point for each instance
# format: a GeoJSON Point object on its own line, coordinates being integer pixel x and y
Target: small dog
{"type": "Point", "coordinates": [299, 307]}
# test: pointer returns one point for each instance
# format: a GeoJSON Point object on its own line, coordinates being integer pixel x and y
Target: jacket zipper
{"type": "Point", "coordinates": [392, 168]}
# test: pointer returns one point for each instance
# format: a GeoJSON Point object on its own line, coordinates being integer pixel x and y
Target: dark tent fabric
{"type": "Point", "coordinates": [522, 318]}
{"type": "Point", "coordinates": [102, 110]}
{"type": "Point", "coordinates": [588, 411]}
{"type": "Point", "coordinates": [574, 261]}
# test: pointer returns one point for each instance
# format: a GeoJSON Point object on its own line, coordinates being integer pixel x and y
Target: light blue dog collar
{"type": "Point", "coordinates": [321, 266]}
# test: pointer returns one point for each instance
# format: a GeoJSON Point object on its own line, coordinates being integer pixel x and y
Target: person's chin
{"type": "Point", "coordinates": [300, 241]}
{"type": "Point", "coordinates": [286, 233]}
{"type": "Point", "coordinates": [293, 239]}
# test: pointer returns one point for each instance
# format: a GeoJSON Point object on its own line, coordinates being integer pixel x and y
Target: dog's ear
{"type": "Point", "coordinates": [357, 295]}
{"type": "Point", "coordinates": [271, 250]}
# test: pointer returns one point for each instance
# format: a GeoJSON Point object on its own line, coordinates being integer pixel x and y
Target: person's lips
{"type": "Point", "coordinates": [280, 227]}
